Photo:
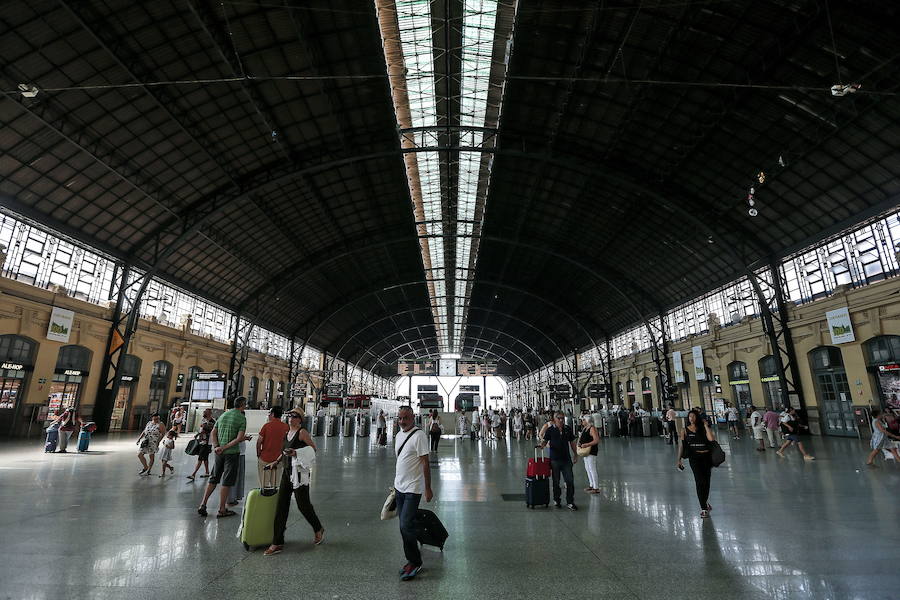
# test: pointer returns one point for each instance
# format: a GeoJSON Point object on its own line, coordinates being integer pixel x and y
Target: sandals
{"type": "Point", "coordinates": [273, 550]}
{"type": "Point", "coordinates": [320, 537]}
{"type": "Point", "coordinates": [202, 511]}
{"type": "Point", "coordinates": [191, 477]}
{"type": "Point", "coordinates": [227, 513]}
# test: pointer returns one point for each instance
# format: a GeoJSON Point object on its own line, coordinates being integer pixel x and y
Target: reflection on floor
{"type": "Point", "coordinates": [86, 526]}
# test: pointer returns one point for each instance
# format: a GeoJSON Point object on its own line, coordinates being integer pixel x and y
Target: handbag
{"type": "Point", "coordinates": [585, 451]}
{"type": "Point", "coordinates": [389, 510]}
{"type": "Point", "coordinates": [717, 455]}
{"type": "Point", "coordinates": [192, 448]}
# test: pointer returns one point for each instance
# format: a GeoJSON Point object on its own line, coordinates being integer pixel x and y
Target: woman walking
{"type": "Point", "coordinates": [590, 438]}
{"type": "Point", "coordinates": [790, 427]}
{"type": "Point", "coordinates": [696, 446]}
{"type": "Point", "coordinates": [435, 427]}
{"type": "Point", "coordinates": [295, 482]}
{"type": "Point", "coordinates": [881, 438]}
{"type": "Point", "coordinates": [69, 421]}
{"type": "Point", "coordinates": [148, 442]}
{"type": "Point", "coordinates": [529, 425]}
{"type": "Point", "coordinates": [518, 424]}
{"type": "Point", "coordinates": [205, 447]}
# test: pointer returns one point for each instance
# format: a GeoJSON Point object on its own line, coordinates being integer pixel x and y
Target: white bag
{"type": "Point", "coordinates": [389, 510]}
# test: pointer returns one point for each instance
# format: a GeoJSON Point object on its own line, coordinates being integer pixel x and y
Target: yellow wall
{"type": "Point", "coordinates": [874, 311]}
{"type": "Point", "coordinates": [25, 310]}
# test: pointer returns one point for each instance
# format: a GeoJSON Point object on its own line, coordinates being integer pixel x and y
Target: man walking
{"type": "Point", "coordinates": [561, 438]}
{"type": "Point", "coordinates": [413, 478]}
{"type": "Point", "coordinates": [226, 435]}
{"type": "Point", "coordinates": [732, 417]}
{"type": "Point", "coordinates": [772, 420]}
{"type": "Point", "coordinates": [671, 430]}
{"type": "Point", "coordinates": [269, 444]}
{"type": "Point", "coordinates": [758, 426]}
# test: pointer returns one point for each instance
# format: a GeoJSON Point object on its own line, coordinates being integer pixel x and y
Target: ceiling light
{"type": "Point", "coordinates": [28, 90]}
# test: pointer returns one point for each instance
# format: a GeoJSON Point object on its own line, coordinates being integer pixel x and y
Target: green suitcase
{"type": "Point", "coordinates": [258, 519]}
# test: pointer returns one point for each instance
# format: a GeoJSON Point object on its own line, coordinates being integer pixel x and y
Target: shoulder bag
{"type": "Point", "coordinates": [716, 453]}
{"type": "Point", "coordinates": [193, 447]}
{"type": "Point", "coordinates": [389, 510]}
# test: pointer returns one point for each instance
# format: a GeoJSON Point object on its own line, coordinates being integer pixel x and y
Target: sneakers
{"type": "Point", "coordinates": [407, 567]}
{"type": "Point", "coordinates": [704, 514]}
{"type": "Point", "coordinates": [809, 457]}
{"type": "Point", "coordinates": [409, 572]}
{"type": "Point", "coordinates": [779, 453]}
{"type": "Point", "coordinates": [571, 507]}
{"type": "Point", "coordinates": [557, 504]}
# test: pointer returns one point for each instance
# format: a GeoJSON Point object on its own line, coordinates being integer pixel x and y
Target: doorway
{"type": "Point", "coordinates": [833, 391]}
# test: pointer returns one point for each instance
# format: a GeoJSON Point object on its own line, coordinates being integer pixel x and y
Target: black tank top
{"type": "Point", "coordinates": [586, 438]}
{"type": "Point", "coordinates": [696, 441]}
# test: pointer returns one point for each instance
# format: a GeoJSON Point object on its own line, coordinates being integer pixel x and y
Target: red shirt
{"type": "Point", "coordinates": [272, 433]}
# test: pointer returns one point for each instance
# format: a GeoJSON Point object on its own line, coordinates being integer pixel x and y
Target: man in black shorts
{"type": "Point", "coordinates": [226, 435]}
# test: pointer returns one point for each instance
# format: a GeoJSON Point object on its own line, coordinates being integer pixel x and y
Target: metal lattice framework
{"type": "Point", "coordinates": [587, 161]}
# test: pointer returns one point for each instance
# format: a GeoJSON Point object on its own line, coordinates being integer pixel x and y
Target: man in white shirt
{"type": "Point", "coordinates": [732, 416]}
{"type": "Point", "coordinates": [413, 478]}
{"type": "Point", "coordinates": [759, 428]}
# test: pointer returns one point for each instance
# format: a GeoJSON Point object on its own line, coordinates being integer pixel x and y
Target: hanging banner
{"type": "Point", "coordinates": [699, 367]}
{"type": "Point", "coordinates": [676, 365]}
{"type": "Point", "coordinates": [60, 326]}
{"type": "Point", "coordinates": [839, 326]}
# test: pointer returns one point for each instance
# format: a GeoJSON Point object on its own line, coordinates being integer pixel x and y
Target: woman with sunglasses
{"type": "Point", "coordinates": [696, 446]}
{"type": "Point", "coordinates": [294, 484]}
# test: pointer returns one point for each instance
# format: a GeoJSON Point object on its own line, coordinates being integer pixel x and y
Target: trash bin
{"type": "Point", "coordinates": [645, 426]}
{"type": "Point", "coordinates": [331, 425]}
{"type": "Point", "coordinates": [363, 429]}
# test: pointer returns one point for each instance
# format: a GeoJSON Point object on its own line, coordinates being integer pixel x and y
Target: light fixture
{"type": "Point", "coordinates": [28, 90]}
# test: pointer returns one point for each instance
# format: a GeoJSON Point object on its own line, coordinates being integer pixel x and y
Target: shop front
{"type": "Point", "coordinates": [16, 367]}
{"type": "Point", "coordinates": [883, 363]}
{"type": "Point", "coordinates": [125, 416]}
{"type": "Point", "coordinates": [69, 377]}
{"type": "Point", "coordinates": [833, 391]}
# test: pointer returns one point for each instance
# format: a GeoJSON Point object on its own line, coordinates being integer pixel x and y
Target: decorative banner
{"type": "Point", "coordinates": [699, 367]}
{"type": "Point", "coordinates": [840, 326]}
{"type": "Point", "coordinates": [676, 365]}
{"type": "Point", "coordinates": [60, 325]}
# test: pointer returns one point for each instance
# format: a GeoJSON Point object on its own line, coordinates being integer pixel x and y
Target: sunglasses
{"type": "Point", "coordinates": [293, 416]}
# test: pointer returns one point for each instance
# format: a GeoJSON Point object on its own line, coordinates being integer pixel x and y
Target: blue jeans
{"type": "Point", "coordinates": [564, 466]}
{"type": "Point", "coordinates": [407, 505]}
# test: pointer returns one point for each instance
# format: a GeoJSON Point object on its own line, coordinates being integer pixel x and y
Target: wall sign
{"type": "Point", "coordinates": [677, 366]}
{"type": "Point", "coordinates": [699, 367]}
{"type": "Point", "coordinates": [73, 372]}
{"type": "Point", "coordinates": [839, 326]}
{"type": "Point", "coordinates": [60, 326]}
{"type": "Point", "coordinates": [12, 366]}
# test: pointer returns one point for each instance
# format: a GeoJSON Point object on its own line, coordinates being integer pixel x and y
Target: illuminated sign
{"type": "Point", "coordinates": [72, 372]}
{"type": "Point", "coordinates": [882, 368]}
{"type": "Point", "coordinates": [127, 378]}
{"type": "Point", "coordinates": [422, 367]}
{"type": "Point", "coordinates": [12, 366]}
{"type": "Point", "coordinates": [209, 376]}
{"type": "Point", "coordinates": [468, 368]}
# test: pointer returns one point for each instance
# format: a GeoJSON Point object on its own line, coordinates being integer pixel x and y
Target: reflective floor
{"type": "Point", "coordinates": [86, 526]}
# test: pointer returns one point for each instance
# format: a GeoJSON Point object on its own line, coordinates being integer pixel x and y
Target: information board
{"type": "Point", "coordinates": [470, 368]}
{"type": "Point", "coordinates": [416, 367]}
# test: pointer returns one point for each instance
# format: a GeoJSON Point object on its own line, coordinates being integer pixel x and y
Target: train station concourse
{"type": "Point", "coordinates": [509, 298]}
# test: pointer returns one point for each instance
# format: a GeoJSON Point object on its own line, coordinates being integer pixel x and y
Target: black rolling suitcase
{"type": "Point", "coordinates": [537, 488]}
{"type": "Point", "coordinates": [429, 529]}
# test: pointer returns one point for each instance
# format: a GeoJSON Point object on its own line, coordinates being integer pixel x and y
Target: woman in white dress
{"type": "Point", "coordinates": [148, 442]}
{"type": "Point", "coordinates": [518, 424]}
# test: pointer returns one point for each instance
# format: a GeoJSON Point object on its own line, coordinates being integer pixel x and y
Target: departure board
{"type": "Point", "coordinates": [470, 368]}
{"type": "Point", "coordinates": [416, 367]}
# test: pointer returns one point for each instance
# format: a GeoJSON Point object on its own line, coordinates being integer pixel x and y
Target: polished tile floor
{"type": "Point", "coordinates": [86, 526]}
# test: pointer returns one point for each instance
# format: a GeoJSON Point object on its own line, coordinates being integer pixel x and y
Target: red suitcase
{"type": "Point", "coordinates": [538, 466]}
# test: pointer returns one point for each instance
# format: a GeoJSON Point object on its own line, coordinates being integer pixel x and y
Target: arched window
{"type": "Point", "coordinates": [130, 366]}
{"type": "Point", "coordinates": [192, 374]}
{"type": "Point", "coordinates": [882, 349]}
{"type": "Point", "coordinates": [17, 349]}
{"type": "Point", "coordinates": [620, 393]}
{"type": "Point", "coordinates": [75, 358]}
{"type": "Point", "coordinates": [737, 371]}
{"type": "Point", "coordinates": [739, 381]}
{"type": "Point", "coordinates": [826, 357]}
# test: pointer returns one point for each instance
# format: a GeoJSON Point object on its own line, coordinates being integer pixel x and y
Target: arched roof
{"type": "Point", "coordinates": [250, 151]}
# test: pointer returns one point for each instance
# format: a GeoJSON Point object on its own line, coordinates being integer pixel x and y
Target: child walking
{"type": "Point", "coordinates": [165, 456]}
